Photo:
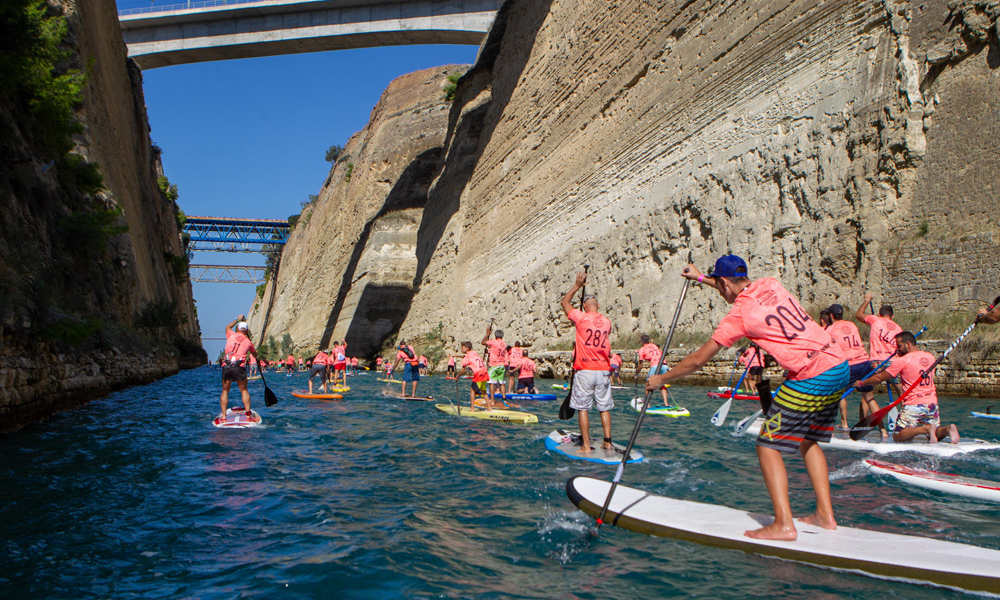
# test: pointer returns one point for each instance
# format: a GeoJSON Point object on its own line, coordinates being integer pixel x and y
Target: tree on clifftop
{"type": "Point", "coordinates": [332, 153]}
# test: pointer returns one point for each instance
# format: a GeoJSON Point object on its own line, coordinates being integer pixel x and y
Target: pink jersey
{"type": "Point", "coordinates": [498, 352]}
{"type": "Point", "coordinates": [882, 337]}
{"type": "Point", "coordinates": [527, 368]}
{"type": "Point", "coordinates": [451, 361]}
{"type": "Point", "coordinates": [403, 357]}
{"type": "Point", "coordinates": [616, 360]}
{"type": "Point", "coordinates": [290, 361]}
{"type": "Point", "coordinates": [752, 353]}
{"type": "Point", "coordinates": [593, 345]}
{"type": "Point", "coordinates": [473, 361]}
{"type": "Point", "coordinates": [849, 338]}
{"type": "Point", "coordinates": [908, 368]}
{"type": "Point", "coordinates": [237, 346]}
{"type": "Point", "coordinates": [650, 352]}
{"type": "Point", "coordinates": [515, 356]}
{"type": "Point", "coordinates": [339, 355]}
{"type": "Point", "coordinates": [422, 360]}
{"type": "Point", "coordinates": [378, 361]}
{"type": "Point", "coordinates": [769, 316]}
{"type": "Point", "coordinates": [321, 359]}
{"type": "Point", "coordinates": [354, 361]}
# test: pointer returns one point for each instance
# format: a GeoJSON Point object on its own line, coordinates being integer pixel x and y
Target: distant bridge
{"type": "Point", "coordinates": [223, 30]}
{"type": "Point", "coordinates": [226, 274]}
{"type": "Point", "coordinates": [215, 234]}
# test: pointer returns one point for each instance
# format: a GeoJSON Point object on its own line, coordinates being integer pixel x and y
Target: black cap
{"type": "Point", "coordinates": [836, 310]}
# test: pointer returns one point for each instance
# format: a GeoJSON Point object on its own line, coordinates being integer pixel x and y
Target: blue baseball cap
{"type": "Point", "coordinates": [729, 265]}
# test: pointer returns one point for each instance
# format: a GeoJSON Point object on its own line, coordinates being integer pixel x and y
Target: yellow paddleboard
{"type": "Point", "coordinates": [508, 416]}
{"type": "Point", "coordinates": [391, 380]}
{"type": "Point", "coordinates": [340, 389]}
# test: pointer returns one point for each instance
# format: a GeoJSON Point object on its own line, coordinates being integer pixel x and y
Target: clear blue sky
{"type": "Point", "coordinates": [247, 138]}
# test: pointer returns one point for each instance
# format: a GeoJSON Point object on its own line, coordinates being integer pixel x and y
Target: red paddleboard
{"type": "Point", "coordinates": [236, 417]}
{"type": "Point", "coordinates": [948, 483]}
{"type": "Point", "coordinates": [727, 396]}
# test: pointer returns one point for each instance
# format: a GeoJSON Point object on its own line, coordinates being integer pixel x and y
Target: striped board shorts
{"type": "Point", "coordinates": [804, 410]}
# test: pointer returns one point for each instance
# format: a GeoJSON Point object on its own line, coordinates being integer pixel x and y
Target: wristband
{"type": "Point", "coordinates": [700, 278]}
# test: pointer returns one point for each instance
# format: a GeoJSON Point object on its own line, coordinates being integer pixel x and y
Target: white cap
{"type": "Point", "coordinates": [241, 326]}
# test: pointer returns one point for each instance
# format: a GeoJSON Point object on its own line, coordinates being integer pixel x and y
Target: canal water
{"type": "Point", "coordinates": [138, 495]}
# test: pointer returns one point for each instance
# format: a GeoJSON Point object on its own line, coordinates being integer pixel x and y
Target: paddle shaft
{"type": "Point", "coordinates": [566, 411]}
{"type": "Point", "coordinates": [756, 351]}
{"type": "Point", "coordinates": [269, 398]}
{"type": "Point", "coordinates": [881, 365]}
{"type": "Point", "coordinates": [732, 372]}
{"type": "Point", "coordinates": [865, 425]}
{"type": "Point", "coordinates": [645, 405]}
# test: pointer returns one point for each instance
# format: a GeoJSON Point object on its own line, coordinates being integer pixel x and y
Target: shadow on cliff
{"type": "Point", "coordinates": [410, 191]}
{"type": "Point", "coordinates": [469, 126]}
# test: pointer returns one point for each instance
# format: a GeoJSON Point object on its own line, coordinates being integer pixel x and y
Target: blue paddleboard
{"type": "Point", "coordinates": [568, 444]}
{"type": "Point", "coordinates": [542, 397]}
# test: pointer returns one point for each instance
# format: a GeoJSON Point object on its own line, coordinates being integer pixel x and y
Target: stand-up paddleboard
{"type": "Point", "coordinates": [507, 416]}
{"type": "Point", "coordinates": [340, 389]}
{"type": "Point", "coordinates": [873, 443]}
{"type": "Point", "coordinates": [560, 386]}
{"type": "Point", "coordinates": [982, 415]}
{"type": "Point", "coordinates": [410, 398]}
{"type": "Point", "coordinates": [570, 445]}
{"type": "Point", "coordinates": [317, 396]}
{"type": "Point", "coordinates": [889, 555]}
{"type": "Point", "coordinates": [390, 380]}
{"type": "Point", "coordinates": [727, 396]}
{"type": "Point", "coordinates": [620, 387]}
{"type": "Point", "coordinates": [667, 411]}
{"type": "Point", "coordinates": [237, 418]}
{"type": "Point", "coordinates": [519, 396]}
{"type": "Point", "coordinates": [948, 483]}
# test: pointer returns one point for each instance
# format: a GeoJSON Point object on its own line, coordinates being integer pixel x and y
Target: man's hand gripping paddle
{"type": "Point", "coordinates": [864, 426]}
{"type": "Point", "coordinates": [645, 404]}
{"type": "Point", "coordinates": [566, 411]}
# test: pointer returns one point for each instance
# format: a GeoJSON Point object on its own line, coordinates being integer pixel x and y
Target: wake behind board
{"type": "Point", "coordinates": [237, 418]}
{"type": "Point", "coordinates": [506, 416]}
{"type": "Point", "coordinates": [842, 441]}
{"type": "Point", "coordinates": [410, 398]}
{"type": "Point", "coordinates": [667, 411]}
{"type": "Point", "coordinates": [519, 396]}
{"type": "Point", "coordinates": [317, 396]}
{"type": "Point", "coordinates": [982, 415]}
{"type": "Point", "coordinates": [948, 483]}
{"type": "Point", "coordinates": [890, 555]}
{"type": "Point", "coordinates": [570, 445]}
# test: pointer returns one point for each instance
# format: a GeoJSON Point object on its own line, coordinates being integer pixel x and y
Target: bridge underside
{"type": "Point", "coordinates": [246, 31]}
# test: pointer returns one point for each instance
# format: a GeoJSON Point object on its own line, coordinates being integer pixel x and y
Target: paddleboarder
{"type": "Point", "coordinates": [592, 363]}
{"type": "Point", "coordinates": [881, 338]}
{"type": "Point", "coordinates": [451, 367]}
{"type": "Point", "coordinates": [474, 364]}
{"type": "Point", "coordinates": [920, 415]}
{"type": "Point", "coordinates": [514, 354]}
{"type": "Point", "coordinates": [526, 375]}
{"type": "Point", "coordinates": [238, 346]}
{"type": "Point", "coordinates": [497, 364]}
{"type": "Point", "coordinates": [804, 410]}
{"type": "Point", "coordinates": [319, 364]}
{"type": "Point", "coordinates": [651, 352]}
{"type": "Point", "coordinates": [616, 367]}
{"type": "Point", "coordinates": [753, 359]}
{"type": "Point", "coordinates": [290, 365]}
{"type": "Point", "coordinates": [849, 338]}
{"type": "Point", "coordinates": [411, 366]}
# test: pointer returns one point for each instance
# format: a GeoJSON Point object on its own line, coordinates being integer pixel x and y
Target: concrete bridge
{"type": "Point", "coordinates": [228, 29]}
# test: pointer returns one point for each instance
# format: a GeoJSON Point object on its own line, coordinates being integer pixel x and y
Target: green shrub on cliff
{"type": "Point", "coordinates": [450, 88]}
{"type": "Point", "coordinates": [85, 233]}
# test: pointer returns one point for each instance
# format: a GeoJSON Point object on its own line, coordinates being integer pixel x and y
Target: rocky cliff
{"type": "Point", "coordinates": [348, 269]}
{"type": "Point", "coordinates": [92, 274]}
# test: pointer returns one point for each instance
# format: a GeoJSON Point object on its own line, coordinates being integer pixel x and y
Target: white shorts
{"type": "Point", "coordinates": [589, 386]}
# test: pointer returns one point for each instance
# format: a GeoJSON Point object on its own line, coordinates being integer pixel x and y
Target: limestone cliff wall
{"type": "Point", "coordinates": [68, 318]}
{"type": "Point", "coordinates": [838, 145]}
{"type": "Point", "coordinates": [348, 269]}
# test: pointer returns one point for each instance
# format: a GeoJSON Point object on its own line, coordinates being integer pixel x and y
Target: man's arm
{"type": "Point", "coordinates": [486, 338]}
{"type": "Point", "coordinates": [690, 364]}
{"type": "Point", "coordinates": [989, 317]}
{"type": "Point", "coordinates": [567, 300]}
{"type": "Point", "coordinates": [860, 313]}
{"type": "Point", "coordinates": [691, 272]}
{"type": "Point", "coordinates": [879, 377]}
{"type": "Point", "coordinates": [233, 323]}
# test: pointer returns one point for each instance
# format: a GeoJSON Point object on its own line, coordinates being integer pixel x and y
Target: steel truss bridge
{"type": "Point", "coordinates": [219, 234]}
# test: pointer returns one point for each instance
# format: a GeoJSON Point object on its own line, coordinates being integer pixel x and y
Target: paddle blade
{"type": "Point", "coordinates": [867, 424]}
{"type": "Point", "coordinates": [566, 411]}
{"type": "Point", "coordinates": [742, 425]}
{"type": "Point", "coordinates": [269, 398]}
{"type": "Point", "coordinates": [720, 415]}
{"type": "Point", "coordinates": [764, 395]}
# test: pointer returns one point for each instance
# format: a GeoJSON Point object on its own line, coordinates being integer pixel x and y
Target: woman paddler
{"type": "Point", "coordinates": [804, 411]}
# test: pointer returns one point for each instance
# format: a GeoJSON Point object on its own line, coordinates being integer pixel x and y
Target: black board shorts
{"type": "Point", "coordinates": [527, 382]}
{"type": "Point", "coordinates": [317, 370]}
{"type": "Point", "coordinates": [234, 373]}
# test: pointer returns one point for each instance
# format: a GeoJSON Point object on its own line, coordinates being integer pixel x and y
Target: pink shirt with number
{"type": "Point", "coordinates": [473, 361]}
{"type": "Point", "coordinates": [527, 368]}
{"type": "Point", "coordinates": [766, 314]}
{"type": "Point", "coordinates": [849, 338]}
{"type": "Point", "coordinates": [882, 338]}
{"type": "Point", "coordinates": [321, 359]}
{"type": "Point", "coordinates": [908, 368]}
{"type": "Point", "coordinates": [616, 360]}
{"type": "Point", "coordinates": [515, 356]}
{"type": "Point", "coordinates": [593, 344]}
{"type": "Point", "coordinates": [498, 352]}
{"type": "Point", "coordinates": [752, 354]}
{"type": "Point", "coordinates": [650, 352]}
{"type": "Point", "coordinates": [237, 345]}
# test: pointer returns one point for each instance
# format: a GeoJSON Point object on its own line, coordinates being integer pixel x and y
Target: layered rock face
{"type": "Point", "coordinates": [42, 371]}
{"type": "Point", "coordinates": [348, 269]}
{"type": "Point", "coordinates": [840, 146]}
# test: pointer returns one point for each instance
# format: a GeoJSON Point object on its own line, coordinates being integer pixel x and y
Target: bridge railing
{"type": "Point", "coordinates": [185, 6]}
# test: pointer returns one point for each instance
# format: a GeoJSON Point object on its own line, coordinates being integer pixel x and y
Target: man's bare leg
{"type": "Point", "coordinates": [224, 399]}
{"type": "Point", "coordinates": [246, 395]}
{"type": "Point", "coordinates": [772, 467]}
{"type": "Point", "coordinates": [585, 430]}
{"type": "Point", "coordinates": [819, 475]}
{"type": "Point", "coordinates": [606, 426]}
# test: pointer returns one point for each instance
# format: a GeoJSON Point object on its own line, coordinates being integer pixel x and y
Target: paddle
{"type": "Point", "coordinates": [269, 398]}
{"type": "Point", "coordinates": [720, 415]}
{"type": "Point", "coordinates": [864, 426]}
{"type": "Point", "coordinates": [881, 365]}
{"type": "Point", "coordinates": [645, 404]}
{"type": "Point", "coordinates": [566, 411]}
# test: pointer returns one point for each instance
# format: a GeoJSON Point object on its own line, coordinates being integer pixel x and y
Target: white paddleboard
{"type": "Point", "coordinates": [982, 415]}
{"type": "Point", "coordinates": [874, 443]}
{"type": "Point", "coordinates": [889, 555]}
{"type": "Point", "coordinates": [667, 411]}
{"type": "Point", "coordinates": [237, 418]}
{"type": "Point", "coordinates": [569, 445]}
{"type": "Point", "coordinates": [948, 483]}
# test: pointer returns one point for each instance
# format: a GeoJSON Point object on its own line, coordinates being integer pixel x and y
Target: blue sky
{"type": "Point", "coordinates": [247, 138]}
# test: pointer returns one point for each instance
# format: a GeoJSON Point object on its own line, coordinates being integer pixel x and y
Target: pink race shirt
{"type": "Point", "coordinates": [473, 361]}
{"type": "Point", "coordinates": [882, 337]}
{"type": "Point", "coordinates": [527, 368]}
{"type": "Point", "coordinates": [769, 316]}
{"type": "Point", "coordinates": [321, 359]}
{"type": "Point", "coordinates": [237, 345]}
{"type": "Point", "coordinates": [616, 360]}
{"type": "Point", "coordinates": [515, 356]}
{"type": "Point", "coordinates": [451, 361]}
{"type": "Point", "coordinates": [752, 353]}
{"type": "Point", "coordinates": [593, 345]}
{"type": "Point", "coordinates": [354, 361]}
{"type": "Point", "coordinates": [908, 368]}
{"type": "Point", "coordinates": [651, 353]}
{"type": "Point", "coordinates": [403, 357]}
{"type": "Point", "coordinates": [290, 360]}
{"type": "Point", "coordinates": [849, 338]}
{"type": "Point", "coordinates": [498, 352]}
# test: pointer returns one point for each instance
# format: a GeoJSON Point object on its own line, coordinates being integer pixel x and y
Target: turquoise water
{"type": "Point", "coordinates": [137, 495]}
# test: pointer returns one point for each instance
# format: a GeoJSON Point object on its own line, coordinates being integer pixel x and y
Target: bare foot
{"type": "Point", "coordinates": [607, 446]}
{"type": "Point", "coordinates": [773, 532]}
{"type": "Point", "coordinates": [586, 449]}
{"type": "Point", "coordinates": [953, 432]}
{"type": "Point", "coordinates": [824, 522]}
